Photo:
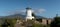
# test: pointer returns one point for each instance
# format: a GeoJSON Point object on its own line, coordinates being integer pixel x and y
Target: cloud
{"type": "Point", "coordinates": [15, 12]}
{"type": "Point", "coordinates": [40, 11]}
{"type": "Point", "coordinates": [23, 12]}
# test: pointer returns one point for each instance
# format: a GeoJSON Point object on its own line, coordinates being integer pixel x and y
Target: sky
{"type": "Point", "coordinates": [46, 8]}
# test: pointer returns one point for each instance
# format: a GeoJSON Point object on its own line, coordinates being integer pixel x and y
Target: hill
{"type": "Point", "coordinates": [19, 16]}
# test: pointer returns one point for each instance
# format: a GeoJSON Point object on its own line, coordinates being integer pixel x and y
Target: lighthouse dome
{"type": "Point", "coordinates": [28, 8]}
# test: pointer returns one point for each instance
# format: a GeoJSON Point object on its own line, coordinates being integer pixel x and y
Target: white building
{"type": "Point", "coordinates": [29, 13]}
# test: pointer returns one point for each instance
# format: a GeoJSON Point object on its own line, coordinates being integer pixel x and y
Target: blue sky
{"type": "Point", "coordinates": [50, 7]}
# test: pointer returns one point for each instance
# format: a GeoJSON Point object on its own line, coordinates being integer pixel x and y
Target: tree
{"type": "Point", "coordinates": [56, 22]}
{"type": "Point", "coordinates": [6, 23]}
{"type": "Point", "coordinates": [33, 15]}
{"type": "Point", "coordinates": [9, 22]}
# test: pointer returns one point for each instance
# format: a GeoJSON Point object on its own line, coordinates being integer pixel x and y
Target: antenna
{"type": "Point", "coordinates": [28, 3]}
{"type": "Point", "coordinates": [57, 14]}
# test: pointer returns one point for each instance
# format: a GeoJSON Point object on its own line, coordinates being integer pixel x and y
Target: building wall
{"type": "Point", "coordinates": [49, 21]}
{"type": "Point", "coordinates": [44, 21]}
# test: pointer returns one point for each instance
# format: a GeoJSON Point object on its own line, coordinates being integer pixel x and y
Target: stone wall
{"type": "Point", "coordinates": [46, 21]}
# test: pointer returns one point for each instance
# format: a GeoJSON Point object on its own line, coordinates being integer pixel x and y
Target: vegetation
{"type": "Point", "coordinates": [13, 21]}
{"type": "Point", "coordinates": [56, 22]}
{"type": "Point", "coordinates": [10, 21]}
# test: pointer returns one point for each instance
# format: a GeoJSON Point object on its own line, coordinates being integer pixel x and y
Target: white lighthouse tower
{"type": "Point", "coordinates": [29, 14]}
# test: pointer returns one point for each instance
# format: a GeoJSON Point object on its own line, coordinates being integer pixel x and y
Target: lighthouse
{"type": "Point", "coordinates": [29, 14]}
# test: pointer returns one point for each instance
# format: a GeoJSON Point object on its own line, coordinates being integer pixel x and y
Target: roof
{"type": "Point", "coordinates": [28, 8]}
